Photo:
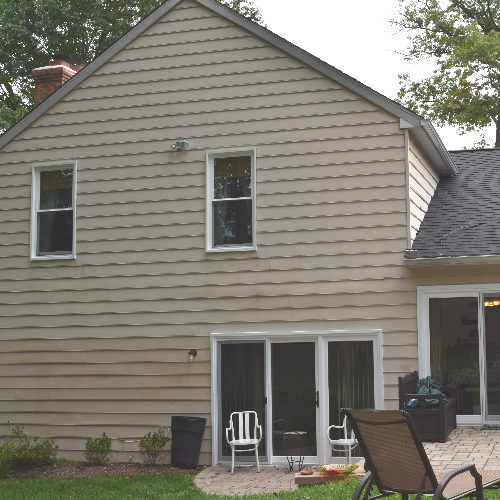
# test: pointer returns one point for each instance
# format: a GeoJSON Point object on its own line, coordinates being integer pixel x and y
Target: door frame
{"type": "Point", "coordinates": [478, 291]}
{"type": "Point", "coordinates": [321, 339]}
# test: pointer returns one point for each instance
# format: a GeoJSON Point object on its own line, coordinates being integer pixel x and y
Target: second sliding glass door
{"type": "Point", "coordinates": [459, 330]}
{"type": "Point", "coordinates": [492, 357]}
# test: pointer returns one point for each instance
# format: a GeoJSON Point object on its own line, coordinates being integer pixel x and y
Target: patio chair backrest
{"type": "Point", "coordinates": [243, 425]}
{"type": "Point", "coordinates": [393, 451]}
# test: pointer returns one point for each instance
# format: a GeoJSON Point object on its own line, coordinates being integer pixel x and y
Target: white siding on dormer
{"type": "Point", "coordinates": [423, 181]}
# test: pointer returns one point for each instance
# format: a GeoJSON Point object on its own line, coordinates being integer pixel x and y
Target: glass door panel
{"type": "Point", "coordinates": [350, 380]}
{"type": "Point", "coordinates": [492, 339]}
{"type": "Point", "coordinates": [454, 346]}
{"type": "Point", "coordinates": [242, 387]}
{"type": "Point", "coordinates": [294, 394]}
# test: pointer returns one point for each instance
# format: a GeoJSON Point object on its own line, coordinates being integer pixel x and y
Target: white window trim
{"type": "Point", "coordinates": [321, 337]}
{"type": "Point", "coordinates": [252, 152]}
{"type": "Point", "coordinates": [35, 196]}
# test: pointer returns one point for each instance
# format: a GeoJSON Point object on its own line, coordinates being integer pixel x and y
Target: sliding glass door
{"type": "Point", "coordinates": [492, 357]}
{"type": "Point", "coordinates": [296, 383]}
{"type": "Point", "coordinates": [459, 341]}
{"type": "Point", "coordinates": [350, 381]}
{"type": "Point", "coordinates": [294, 390]}
{"type": "Point", "coordinates": [454, 349]}
{"type": "Point", "coordinates": [242, 387]}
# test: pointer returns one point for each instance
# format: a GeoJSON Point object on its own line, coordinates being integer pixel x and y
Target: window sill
{"type": "Point", "coordinates": [53, 257]}
{"type": "Point", "coordinates": [231, 249]}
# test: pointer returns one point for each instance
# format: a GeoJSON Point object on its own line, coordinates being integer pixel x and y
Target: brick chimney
{"type": "Point", "coordinates": [49, 78]}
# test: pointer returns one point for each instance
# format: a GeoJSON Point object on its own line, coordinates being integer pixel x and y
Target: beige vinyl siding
{"type": "Point", "coordinates": [100, 343]}
{"type": "Point", "coordinates": [423, 181]}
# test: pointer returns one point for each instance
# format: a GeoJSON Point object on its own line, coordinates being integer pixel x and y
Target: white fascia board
{"type": "Point", "coordinates": [425, 135]}
{"type": "Point", "coordinates": [465, 260]}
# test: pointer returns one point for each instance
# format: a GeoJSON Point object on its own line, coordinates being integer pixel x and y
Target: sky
{"type": "Point", "coordinates": [356, 37]}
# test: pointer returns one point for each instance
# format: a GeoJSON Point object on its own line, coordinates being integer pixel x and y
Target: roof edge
{"type": "Point", "coordinates": [439, 145]}
{"type": "Point", "coordinates": [463, 260]}
{"type": "Point", "coordinates": [313, 61]}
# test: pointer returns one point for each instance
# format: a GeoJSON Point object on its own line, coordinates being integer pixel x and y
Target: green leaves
{"type": "Point", "coordinates": [245, 8]}
{"type": "Point", "coordinates": [463, 38]}
{"type": "Point", "coordinates": [33, 31]}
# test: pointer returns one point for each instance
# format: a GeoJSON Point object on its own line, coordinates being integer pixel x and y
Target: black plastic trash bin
{"type": "Point", "coordinates": [187, 433]}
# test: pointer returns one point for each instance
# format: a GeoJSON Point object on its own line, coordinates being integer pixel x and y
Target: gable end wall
{"type": "Point", "coordinates": [100, 343]}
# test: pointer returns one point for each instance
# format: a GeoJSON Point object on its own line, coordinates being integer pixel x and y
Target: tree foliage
{"type": "Point", "coordinates": [462, 37]}
{"type": "Point", "coordinates": [33, 31]}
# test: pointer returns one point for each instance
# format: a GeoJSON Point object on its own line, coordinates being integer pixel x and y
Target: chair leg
{"type": "Point", "coordinates": [257, 458]}
{"type": "Point", "coordinates": [232, 461]}
{"type": "Point", "coordinates": [365, 482]}
{"type": "Point", "coordinates": [349, 455]}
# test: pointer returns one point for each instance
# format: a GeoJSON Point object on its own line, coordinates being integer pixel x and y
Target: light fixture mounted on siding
{"type": "Point", "coordinates": [179, 145]}
{"type": "Point", "coordinates": [192, 354]}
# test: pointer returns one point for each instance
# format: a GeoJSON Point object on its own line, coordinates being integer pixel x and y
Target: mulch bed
{"type": "Point", "coordinates": [69, 470]}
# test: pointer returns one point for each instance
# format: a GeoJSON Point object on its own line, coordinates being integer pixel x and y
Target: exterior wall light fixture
{"type": "Point", "coordinates": [192, 354]}
{"type": "Point", "coordinates": [179, 145]}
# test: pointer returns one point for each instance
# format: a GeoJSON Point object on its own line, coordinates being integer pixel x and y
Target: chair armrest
{"type": "Point", "coordinates": [438, 494]}
{"type": "Point", "coordinates": [227, 433]}
{"type": "Point", "coordinates": [260, 432]}
{"type": "Point", "coordinates": [333, 427]}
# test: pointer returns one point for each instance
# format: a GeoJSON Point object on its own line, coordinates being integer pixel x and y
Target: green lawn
{"type": "Point", "coordinates": [154, 487]}
{"type": "Point", "coordinates": [144, 488]}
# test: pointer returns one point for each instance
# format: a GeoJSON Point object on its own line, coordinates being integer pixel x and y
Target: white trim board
{"type": "Point", "coordinates": [209, 198]}
{"type": "Point", "coordinates": [36, 168]}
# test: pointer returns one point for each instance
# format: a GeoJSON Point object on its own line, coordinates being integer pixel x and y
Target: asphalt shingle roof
{"type": "Point", "coordinates": [463, 217]}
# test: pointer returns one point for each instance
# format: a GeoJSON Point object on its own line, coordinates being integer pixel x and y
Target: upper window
{"type": "Point", "coordinates": [231, 200]}
{"type": "Point", "coordinates": [53, 211]}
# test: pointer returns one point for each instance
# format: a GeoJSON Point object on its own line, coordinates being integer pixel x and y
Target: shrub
{"type": "Point", "coordinates": [30, 452]}
{"type": "Point", "coordinates": [98, 450]}
{"type": "Point", "coordinates": [152, 445]}
{"type": "Point", "coordinates": [7, 457]}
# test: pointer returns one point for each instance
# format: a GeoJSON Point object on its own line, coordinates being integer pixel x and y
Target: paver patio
{"type": "Point", "coordinates": [465, 445]}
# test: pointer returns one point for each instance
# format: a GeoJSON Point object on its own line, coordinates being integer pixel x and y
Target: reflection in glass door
{"type": "Point", "coordinates": [242, 387]}
{"type": "Point", "coordinates": [350, 380]}
{"type": "Point", "coordinates": [454, 350]}
{"type": "Point", "coordinates": [294, 394]}
{"type": "Point", "coordinates": [492, 341]}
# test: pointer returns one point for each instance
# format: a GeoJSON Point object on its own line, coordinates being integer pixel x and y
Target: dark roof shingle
{"type": "Point", "coordinates": [463, 218]}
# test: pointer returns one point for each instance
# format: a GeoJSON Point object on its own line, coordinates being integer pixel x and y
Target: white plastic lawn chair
{"type": "Point", "coordinates": [347, 444]}
{"type": "Point", "coordinates": [247, 434]}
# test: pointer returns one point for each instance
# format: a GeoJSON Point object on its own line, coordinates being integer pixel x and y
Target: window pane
{"type": "Point", "coordinates": [242, 386]}
{"type": "Point", "coordinates": [350, 382]}
{"type": "Point", "coordinates": [55, 232]}
{"type": "Point", "coordinates": [455, 350]}
{"type": "Point", "coordinates": [294, 398]}
{"type": "Point", "coordinates": [56, 189]}
{"type": "Point", "coordinates": [232, 222]}
{"type": "Point", "coordinates": [232, 177]}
